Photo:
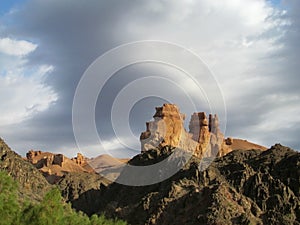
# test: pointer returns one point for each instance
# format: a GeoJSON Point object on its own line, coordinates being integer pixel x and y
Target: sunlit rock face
{"type": "Point", "coordinates": [203, 139]}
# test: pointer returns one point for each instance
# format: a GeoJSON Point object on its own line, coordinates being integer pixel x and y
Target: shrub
{"type": "Point", "coordinates": [51, 211]}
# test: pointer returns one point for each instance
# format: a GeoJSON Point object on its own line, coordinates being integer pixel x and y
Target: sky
{"type": "Point", "coordinates": [6, 6]}
{"type": "Point", "coordinates": [250, 46]}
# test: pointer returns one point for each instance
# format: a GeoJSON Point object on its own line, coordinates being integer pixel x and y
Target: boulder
{"type": "Point", "coordinates": [229, 141]}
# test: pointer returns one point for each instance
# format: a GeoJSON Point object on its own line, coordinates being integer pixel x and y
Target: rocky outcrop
{"type": "Point", "coordinates": [31, 155]}
{"type": "Point", "coordinates": [40, 159]}
{"type": "Point", "coordinates": [229, 141]}
{"type": "Point", "coordinates": [55, 166]}
{"type": "Point", "coordinates": [242, 187]}
{"type": "Point", "coordinates": [204, 138]}
{"type": "Point", "coordinates": [166, 129]}
{"type": "Point", "coordinates": [80, 160]}
{"type": "Point", "coordinates": [200, 131]}
{"type": "Point", "coordinates": [82, 190]}
{"type": "Point", "coordinates": [84, 162]}
{"type": "Point", "coordinates": [32, 184]}
{"type": "Point", "coordinates": [58, 159]}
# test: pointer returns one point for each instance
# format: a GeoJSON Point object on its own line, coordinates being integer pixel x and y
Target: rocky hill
{"type": "Point", "coordinates": [55, 166]}
{"type": "Point", "coordinates": [82, 190]}
{"type": "Point", "coordinates": [245, 184]}
{"type": "Point", "coordinates": [32, 183]}
{"type": "Point", "coordinates": [242, 187]}
{"type": "Point", "coordinates": [34, 178]}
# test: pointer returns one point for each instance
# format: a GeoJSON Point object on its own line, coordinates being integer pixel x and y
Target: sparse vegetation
{"type": "Point", "coordinates": [9, 206]}
{"type": "Point", "coordinates": [52, 210]}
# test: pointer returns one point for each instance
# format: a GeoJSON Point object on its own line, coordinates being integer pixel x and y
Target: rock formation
{"type": "Point", "coordinates": [229, 141]}
{"type": "Point", "coordinates": [58, 159]}
{"type": "Point", "coordinates": [82, 189]}
{"type": "Point", "coordinates": [46, 160]}
{"type": "Point", "coordinates": [203, 139]}
{"type": "Point", "coordinates": [242, 187]}
{"type": "Point", "coordinates": [79, 160]}
{"type": "Point", "coordinates": [54, 166]}
{"type": "Point", "coordinates": [166, 129]}
{"type": "Point", "coordinates": [200, 132]}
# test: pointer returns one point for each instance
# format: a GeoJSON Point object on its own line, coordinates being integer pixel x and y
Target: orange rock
{"type": "Point", "coordinates": [199, 128]}
{"type": "Point", "coordinates": [54, 166]}
{"type": "Point", "coordinates": [166, 129]}
{"type": "Point", "coordinates": [80, 160]}
{"type": "Point", "coordinates": [204, 138]}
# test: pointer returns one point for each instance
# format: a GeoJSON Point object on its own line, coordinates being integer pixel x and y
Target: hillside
{"type": "Point", "coordinates": [224, 181]}
{"type": "Point", "coordinates": [243, 187]}
{"type": "Point", "coordinates": [239, 144]}
{"type": "Point", "coordinates": [26, 198]}
{"type": "Point", "coordinates": [32, 184]}
{"type": "Point", "coordinates": [82, 189]}
{"type": "Point", "coordinates": [107, 166]}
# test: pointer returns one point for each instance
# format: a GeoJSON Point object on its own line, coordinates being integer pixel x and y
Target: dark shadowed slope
{"type": "Point", "coordinates": [243, 187]}
{"type": "Point", "coordinates": [32, 183]}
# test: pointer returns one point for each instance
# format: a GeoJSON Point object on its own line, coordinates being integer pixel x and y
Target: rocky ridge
{"type": "Point", "coordinates": [204, 138]}
{"type": "Point", "coordinates": [242, 187]}
{"type": "Point", "coordinates": [55, 166]}
{"type": "Point", "coordinates": [32, 183]}
{"type": "Point", "coordinates": [82, 190]}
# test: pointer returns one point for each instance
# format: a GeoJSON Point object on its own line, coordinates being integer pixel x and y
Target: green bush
{"type": "Point", "coordinates": [51, 211]}
{"type": "Point", "coordinates": [9, 206]}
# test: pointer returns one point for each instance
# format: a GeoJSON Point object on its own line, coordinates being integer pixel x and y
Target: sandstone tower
{"type": "Point", "coordinates": [203, 139]}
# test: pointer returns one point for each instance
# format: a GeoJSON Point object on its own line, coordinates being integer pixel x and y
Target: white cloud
{"type": "Point", "coordinates": [16, 47]}
{"type": "Point", "coordinates": [23, 97]}
{"type": "Point", "coordinates": [23, 92]}
{"type": "Point", "coordinates": [241, 41]}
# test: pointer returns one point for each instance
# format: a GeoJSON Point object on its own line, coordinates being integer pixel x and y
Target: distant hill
{"type": "Point", "coordinates": [107, 166]}
{"type": "Point", "coordinates": [239, 144]}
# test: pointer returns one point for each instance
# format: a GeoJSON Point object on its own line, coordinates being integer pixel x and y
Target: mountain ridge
{"type": "Point", "coordinates": [223, 181]}
{"type": "Point", "coordinates": [242, 187]}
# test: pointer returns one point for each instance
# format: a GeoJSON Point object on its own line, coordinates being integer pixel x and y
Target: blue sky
{"type": "Point", "coordinates": [276, 2]}
{"type": "Point", "coordinates": [6, 5]}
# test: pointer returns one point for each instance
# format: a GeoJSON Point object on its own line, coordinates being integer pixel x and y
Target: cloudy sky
{"type": "Point", "coordinates": [251, 47]}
